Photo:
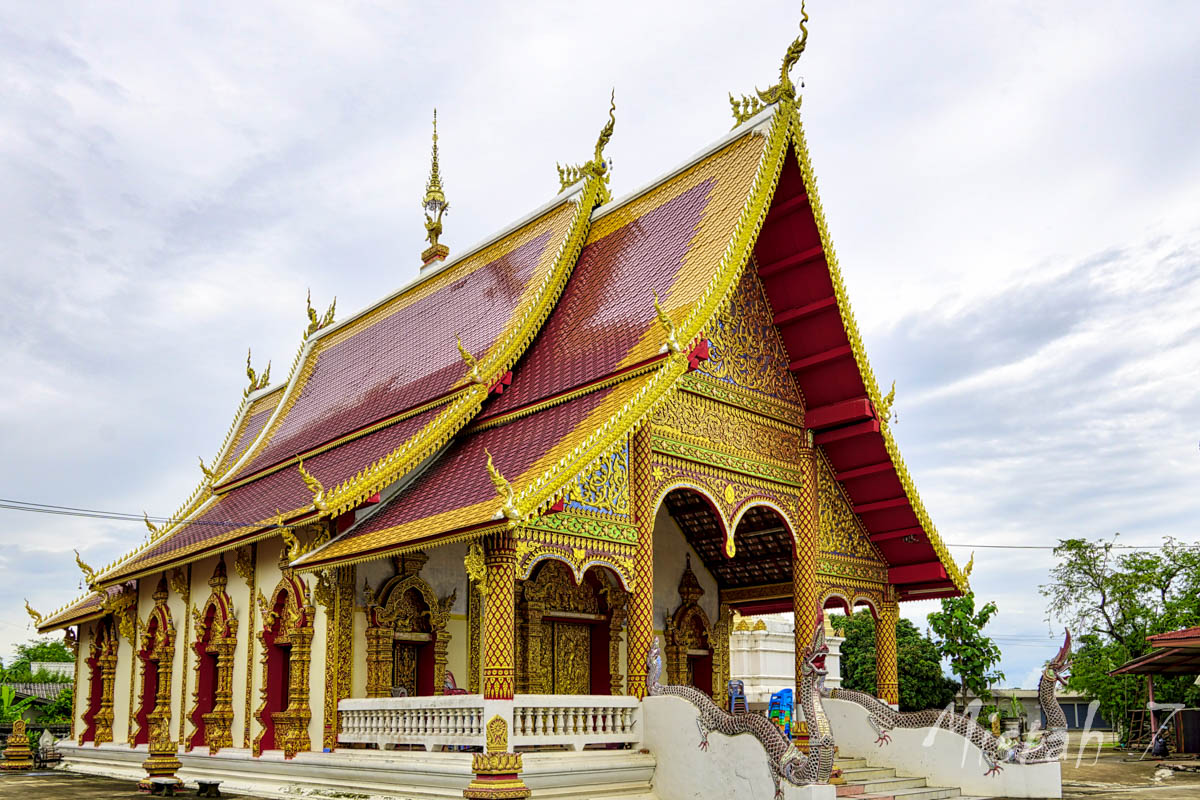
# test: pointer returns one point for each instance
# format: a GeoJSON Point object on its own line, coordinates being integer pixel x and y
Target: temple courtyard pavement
{"type": "Point", "coordinates": [1111, 776]}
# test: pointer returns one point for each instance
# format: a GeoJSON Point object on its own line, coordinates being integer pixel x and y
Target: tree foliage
{"type": "Point", "coordinates": [43, 649]}
{"type": "Point", "coordinates": [973, 656]}
{"type": "Point", "coordinates": [1112, 601]}
{"type": "Point", "coordinates": [922, 684]}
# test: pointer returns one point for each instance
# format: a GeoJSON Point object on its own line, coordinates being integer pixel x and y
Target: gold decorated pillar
{"type": "Point", "coordinates": [806, 599]}
{"type": "Point", "coordinates": [640, 620]}
{"type": "Point", "coordinates": [886, 680]}
{"type": "Point", "coordinates": [499, 617]}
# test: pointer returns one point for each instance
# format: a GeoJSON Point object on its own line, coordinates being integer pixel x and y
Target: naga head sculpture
{"type": "Point", "coordinates": [1057, 668]}
{"type": "Point", "coordinates": [814, 654]}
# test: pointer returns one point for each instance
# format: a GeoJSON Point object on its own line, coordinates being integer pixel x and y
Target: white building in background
{"type": "Point", "coordinates": [762, 654]}
{"type": "Point", "coordinates": [64, 668]}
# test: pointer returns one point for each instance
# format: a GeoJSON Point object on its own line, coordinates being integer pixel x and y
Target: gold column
{"type": "Point", "coordinates": [499, 617]}
{"type": "Point", "coordinates": [806, 599]}
{"type": "Point", "coordinates": [640, 621]}
{"type": "Point", "coordinates": [886, 680]}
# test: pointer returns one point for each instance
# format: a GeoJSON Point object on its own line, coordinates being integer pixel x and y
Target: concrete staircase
{"type": "Point", "coordinates": [864, 782]}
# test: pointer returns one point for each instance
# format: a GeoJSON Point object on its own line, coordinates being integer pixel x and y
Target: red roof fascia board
{"type": "Point", "coordinates": [928, 572]}
{"type": "Point", "coordinates": [856, 409]}
{"type": "Point", "coordinates": [1177, 638]}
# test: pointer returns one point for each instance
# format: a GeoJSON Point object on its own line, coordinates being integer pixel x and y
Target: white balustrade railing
{"type": "Point", "coordinates": [576, 720]}
{"type": "Point", "coordinates": [539, 720]}
{"type": "Point", "coordinates": [429, 722]}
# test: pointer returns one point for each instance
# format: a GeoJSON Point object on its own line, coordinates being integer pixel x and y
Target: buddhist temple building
{"type": "Point", "coordinates": [484, 496]}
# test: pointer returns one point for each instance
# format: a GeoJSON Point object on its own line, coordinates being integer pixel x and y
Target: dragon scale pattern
{"type": "Point", "coordinates": [784, 760]}
{"type": "Point", "coordinates": [884, 718]}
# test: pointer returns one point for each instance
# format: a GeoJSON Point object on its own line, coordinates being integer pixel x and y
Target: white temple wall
{"type": "Point", "coordinates": [445, 573]}
{"type": "Point", "coordinates": [85, 634]}
{"type": "Point", "coordinates": [358, 639]}
{"type": "Point", "coordinates": [670, 556]}
{"type": "Point", "coordinates": [180, 615]}
{"type": "Point", "coordinates": [456, 656]}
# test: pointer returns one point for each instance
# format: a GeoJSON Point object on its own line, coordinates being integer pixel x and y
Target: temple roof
{"type": "Point", "coordinates": [85, 608]}
{"type": "Point", "coordinates": [565, 354]}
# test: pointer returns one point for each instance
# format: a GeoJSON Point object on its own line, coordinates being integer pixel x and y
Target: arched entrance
{"type": "Point", "coordinates": [407, 638]}
{"type": "Point", "coordinates": [216, 641]}
{"type": "Point", "coordinates": [156, 654]}
{"type": "Point", "coordinates": [102, 672]}
{"type": "Point", "coordinates": [568, 632]}
{"type": "Point", "coordinates": [286, 639]}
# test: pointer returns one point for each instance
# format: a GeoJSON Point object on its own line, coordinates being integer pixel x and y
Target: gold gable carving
{"type": "Point", "coordinates": [744, 345]}
{"type": "Point", "coordinates": [842, 533]}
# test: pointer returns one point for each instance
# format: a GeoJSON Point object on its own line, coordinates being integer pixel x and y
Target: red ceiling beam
{"type": "Point", "coordinates": [834, 414]}
{"type": "Point", "coordinates": [929, 572]}
{"type": "Point", "coordinates": [815, 360]}
{"type": "Point", "coordinates": [899, 533]}
{"type": "Point", "coordinates": [781, 210]}
{"type": "Point", "coordinates": [794, 260]}
{"type": "Point", "coordinates": [947, 592]}
{"type": "Point", "coordinates": [863, 472]}
{"type": "Point", "coordinates": [881, 505]}
{"type": "Point", "coordinates": [848, 432]}
{"type": "Point", "coordinates": [796, 313]}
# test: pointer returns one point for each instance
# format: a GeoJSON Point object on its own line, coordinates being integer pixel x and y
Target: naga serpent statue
{"type": "Point", "coordinates": [785, 761]}
{"type": "Point", "coordinates": [884, 718]}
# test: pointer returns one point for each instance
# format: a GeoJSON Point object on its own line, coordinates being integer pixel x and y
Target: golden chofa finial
{"type": "Point", "coordinates": [598, 167]}
{"type": "Point", "coordinates": [785, 90]}
{"type": "Point", "coordinates": [435, 206]}
{"type": "Point", "coordinates": [89, 574]}
{"type": "Point", "coordinates": [37, 618]}
{"type": "Point", "coordinates": [314, 486]}
{"type": "Point", "coordinates": [504, 491]}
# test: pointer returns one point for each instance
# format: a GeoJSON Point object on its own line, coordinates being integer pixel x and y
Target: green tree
{"type": "Point", "coordinates": [1112, 601]}
{"type": "Point", "coordinates": [958, 629]}
{"type": "Point", "coordinates": [44, 649]}
{"type": "Point", "coordinates": [57, 711]}
{"type": "Point", "coordinates": [922, 684]}
{"type": "Point", "coordinates": [11, 711]}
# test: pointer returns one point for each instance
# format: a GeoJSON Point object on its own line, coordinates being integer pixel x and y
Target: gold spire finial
{"type": "Point", "coordinates": [884, 412]}
{"type": "Point", "coordinates": [572, 174]}
{"type": "Point", "coordinates": [149, 525]}
{"type": "Point", "coordinates": [314, 486]}
{"type": "Point", "coordinates": [37, 618]}
{"type": "Point", "coordinates": [966, 573]}
{"type": "Point", "coordinates": [208, 473]}
{"type": "Point", "coordinates": [785, 90]}
{"type": "Point", "coordinates": [470, 360]}
{"type": "Point", "coordinates": [504, 490]}
{"type": "Point", "coordinates": [435, 206]}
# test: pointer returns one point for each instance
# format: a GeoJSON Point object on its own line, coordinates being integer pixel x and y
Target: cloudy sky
{"type": "Point", "coordinates": [1013, 188]}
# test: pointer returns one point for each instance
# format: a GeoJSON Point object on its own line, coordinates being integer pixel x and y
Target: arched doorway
{"type": "Point", "coordinates": [216, 641]}
{"type": "Point", "coordinates": [156, 654]}
{"type": "Point", "coordinates": [407, 640]}
{"type": "Point", "coordinates": [286, 639]}
{"type": "Point", "coordinates": [567, 631]}
{"type": "Point", "coordinates": [102, 671]}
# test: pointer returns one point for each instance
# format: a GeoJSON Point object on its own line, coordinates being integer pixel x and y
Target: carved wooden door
{"type": "Point", "coordinates": [404, 668]}
{"type": "Point", "coordinates": [567, 657]}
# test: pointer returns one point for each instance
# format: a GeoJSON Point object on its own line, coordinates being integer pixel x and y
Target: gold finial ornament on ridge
{"type": "Point", "coordinates": [435, 206]}
{"type": "Point", "coordinates": [471, 362]}
{"type": "Point", "coordinates": [149, 525]}
{"type": "Point", "coordinates": [314, 486]}
{"type": "Point", "coordinates": [785, 90]}
{"type": "Point", "coordinates": [256, 381]}
{"type": "Point", "coordinates": [37, 618]}
{"type": "Point", "coordinates": [315, 323]}
{"type": "Point", "coordinates": [209, 475]}
{"type": "Point", "coordinates": [667, 325]}
{"type": "Point", "coordinates": [884, 412]}
{"type": "Point", "coordinates": [89, 574]}
{"type": "Point", "coordinates": [504, 490]}
{"type": "Point", "coordinates": [598, 167]}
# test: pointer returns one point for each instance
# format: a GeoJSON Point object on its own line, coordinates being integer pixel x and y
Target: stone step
{"type": "Point", "coordinates": [919, 793]}
{"type": "Point", "coordinates": [864, 774]}
{"type": "Point", "coordinates": [889, 785]}
{"type": "Point", "coordinates": [850, 763]}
